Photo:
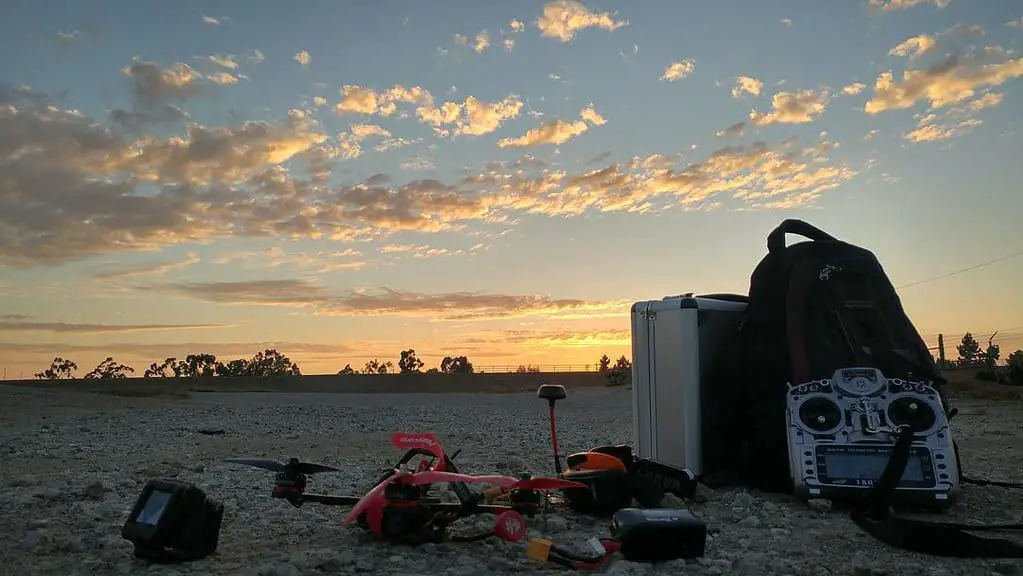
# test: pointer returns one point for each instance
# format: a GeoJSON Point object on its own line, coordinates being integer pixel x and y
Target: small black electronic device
{"type": "Point", "coordinates": [173, 521]}
{"type": "Point", "coordinates": [659, 535]}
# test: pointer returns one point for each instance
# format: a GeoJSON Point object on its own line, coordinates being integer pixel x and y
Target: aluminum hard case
{"type": "Point", "coordinates": [675, 342]}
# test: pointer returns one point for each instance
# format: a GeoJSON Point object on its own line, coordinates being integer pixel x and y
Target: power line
{"type": "Point", "coordinates": [963, 270]}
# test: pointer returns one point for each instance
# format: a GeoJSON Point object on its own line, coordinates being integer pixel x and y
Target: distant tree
{"type": "Point", "coordinates": [432, 371]}
{"type": "Point", "coordinates": [109, 370]}
{"type": "Point", "coordinates": [527, 369]}
{"type": "Point", "coordinates": [969, 349]}
{"type": "Point", "coordinates": [239, 367]}
{"type": "Point", "coordinates": [618, 375]}
{"type": "Point", "coordinates": [193, 366]}
{"type": "Point", "coordinates": [166, 369]}
{"type": "Point", "coordinates": [604, 364]}
{"type": "Point", "coordinates": [60, 369]}
{"type": "Point", "coordinates": [456, 365]}
{"type": "Point", "coordinates": [1015, 367]}
{"type": "Point", "coordinates": [622, 364]}
{"type": "Point", "coordinates": [347, 370]}
{"type": "Point", "coordinates": [270, 363]}
{"type": "Point", "coordinates": [991, 355]}
{"type": "Point", "coordinates": [409, 363]}
{"type": "Point", "coordinates": [374, 366]}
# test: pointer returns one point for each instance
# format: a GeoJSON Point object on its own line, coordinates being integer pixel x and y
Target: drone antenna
{"type": "Point", "coordinates": [552, 393]}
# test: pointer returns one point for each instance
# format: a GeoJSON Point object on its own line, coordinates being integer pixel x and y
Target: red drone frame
{"type": "Point", "coordinates": [399, 507]}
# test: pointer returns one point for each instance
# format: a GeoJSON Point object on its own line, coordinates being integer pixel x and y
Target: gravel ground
{"type": "Point", "coordinates": [73, 465]}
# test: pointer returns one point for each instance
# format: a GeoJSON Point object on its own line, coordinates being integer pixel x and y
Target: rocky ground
{"type": "Point", "coordinates": [73, 464]}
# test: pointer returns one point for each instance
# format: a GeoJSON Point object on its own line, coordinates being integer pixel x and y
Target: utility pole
{"type": "Point", "coordinates": [941, 350]}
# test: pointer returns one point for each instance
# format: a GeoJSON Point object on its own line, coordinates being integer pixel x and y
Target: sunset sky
{"type": "Point", "coordinates": [343, 180]}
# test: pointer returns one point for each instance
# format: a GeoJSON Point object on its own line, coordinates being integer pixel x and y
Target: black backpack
{"type": "Point", "coordinates": [814, 307]}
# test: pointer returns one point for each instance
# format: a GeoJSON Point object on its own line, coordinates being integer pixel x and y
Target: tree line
{"type": "Point", "coordinates": [264, 364]}
{"type": "Point", "coordinates": [270, 363]}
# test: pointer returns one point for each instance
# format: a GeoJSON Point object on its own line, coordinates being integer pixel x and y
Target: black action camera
{"type": "Point", "coordinates": [173, 521]}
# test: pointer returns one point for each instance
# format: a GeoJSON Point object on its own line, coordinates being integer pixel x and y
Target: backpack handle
{"type": "Point", "coordinates": [776, 239]}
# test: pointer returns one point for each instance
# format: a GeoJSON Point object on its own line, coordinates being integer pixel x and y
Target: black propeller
{"type": "Point", "coordinates": [292, 466]}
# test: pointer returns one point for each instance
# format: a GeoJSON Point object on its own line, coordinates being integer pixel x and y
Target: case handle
{"type": "Point", "coordinates": [776, 239]}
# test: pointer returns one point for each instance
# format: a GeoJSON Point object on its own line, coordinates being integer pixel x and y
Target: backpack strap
{"type": "Point", "coordinates": [873, 514]}
{"type": "Point", "coordinates": [776, 239]}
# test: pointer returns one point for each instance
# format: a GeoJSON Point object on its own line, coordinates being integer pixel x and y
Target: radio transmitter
{"type": "Point", "coordinates": [842, 431]}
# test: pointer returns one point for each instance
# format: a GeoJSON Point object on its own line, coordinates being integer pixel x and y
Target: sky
{"type": "Point", "coordinates": [502, 180]}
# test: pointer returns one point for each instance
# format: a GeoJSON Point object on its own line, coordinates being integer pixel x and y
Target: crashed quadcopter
{"type": "Point", "coordinates": [400, 506]}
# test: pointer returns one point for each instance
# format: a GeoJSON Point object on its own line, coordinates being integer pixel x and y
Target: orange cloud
{"type": "Point", "coordinates": [948, 82]}
{"type": "Point", "coordinates": [454, 306]}
{"type": "Point", "coordinates": [96, 189]}
{"type": "Point", "coordinates": [14, 325]}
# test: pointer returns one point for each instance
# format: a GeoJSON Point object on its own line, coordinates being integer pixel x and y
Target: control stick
{"type": "Point", "coordinates": [552, 393]}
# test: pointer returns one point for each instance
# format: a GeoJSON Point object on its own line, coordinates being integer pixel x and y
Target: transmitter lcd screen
{"type": "Point", "coordinates": [851, 465]}
{"type": "Point", "coordinates": [154, 508]}
{"type": "Point", "coordinates": [869, 467]}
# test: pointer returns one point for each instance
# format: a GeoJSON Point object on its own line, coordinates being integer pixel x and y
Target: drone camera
{"type": "Point", "coordinates": [288, 485]}
{"type": "Point", "coordinates": [172, 522]}
{"type": "Point", "coordinates": [526, 501]}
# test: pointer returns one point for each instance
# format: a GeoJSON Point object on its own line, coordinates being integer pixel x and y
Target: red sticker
{"type": "Point", "coordinates": [424, 440]}
{"type": "Point", "coordinates": [510, 526]}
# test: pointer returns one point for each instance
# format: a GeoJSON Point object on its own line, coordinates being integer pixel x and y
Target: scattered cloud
{"type": "Point", "coordinates": [508, 43]}
{"type": "Point", "coordinates": [95, 190]}
{"type": "Point", "coordinates": [929, 130]}
{"type": "Point", "coordinates": [736, 129]}
{"type": "Point", "coordinates": [152, 85]}
{"type": "Point", "coordinates": [954, 122]}
{"type": "Point", "coordinates": [678, 70]}
{"type": "Point", "coordinates": [555, 132]}
{"type": "Point", "coordinates": [562, 19]}
{"type": "Point", "coordinates": [211, 20]}
{"type": "Point", "coordinates": [988, 100]}
{"type": "Point", "coordinates": [854, 88]}
{"type": "Point", "coordinates": [517, 25]}
{"type": "Point", "coordinates": [454, 306]}
{"type": "Point", "coordinates": [308, 262]}
{"type": "Point", "coordinates": [1018, 24]}
{"type": "Point", "coordinates": [542, 339]}
{"type": "Point", "coordinates": [797, 107]}
{"type": "Point", "coordinates": [947, 82]}
{"type": "Point", "coordinates": [222, 78]}
{"type": "Point", "coordinates": [482, 42]}
{"type": "Point", "coordinates": [67, 39]}
{"type": "Point", "coordinates": [471, 117]}
{"type": "Point", "coordinates": [747, 85]}
{"type": "Point", "coordinates": [65, 328]}
{"type": "Point", "coordinates": [256, 57]}
{"type": "Point", "coordinates": [229, 61]}
{"type": "Point", "coordinates": [150, 352]}
{"type": "Point", "coordinates": [146, 270]}
{"type": "Point", "coordinates": [303, 57]}
{"type": "Point", "coordinates": [893, 5]}
{"type": "Point", "coordinates": [418, 251]}
{"type": "Point", "coordinates": [915, 47]}
{"type": "Point", "coordinates": [787, 22]}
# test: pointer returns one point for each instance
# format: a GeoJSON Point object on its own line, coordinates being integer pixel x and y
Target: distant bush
{"type": "Point", "coordinates": [1014, 366]}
